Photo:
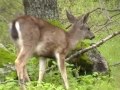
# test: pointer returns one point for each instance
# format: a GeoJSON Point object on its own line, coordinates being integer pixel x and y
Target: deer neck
{"type": "Point", "coordinates": [75, 37]}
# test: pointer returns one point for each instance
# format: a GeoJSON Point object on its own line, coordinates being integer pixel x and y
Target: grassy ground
{"type": "Point", "coordinates": [95, 81]}
{"type": "Point", "coordinates": [111, 51]}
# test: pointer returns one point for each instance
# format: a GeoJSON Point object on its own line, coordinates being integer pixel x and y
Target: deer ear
{"type": "Point", "coordinates": [70, 17]}
{"type": "Point", "coordinates": [85, 18]}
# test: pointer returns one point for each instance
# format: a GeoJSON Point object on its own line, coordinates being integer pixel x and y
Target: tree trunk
{"type": "Point", "coordinates": [46, 9]}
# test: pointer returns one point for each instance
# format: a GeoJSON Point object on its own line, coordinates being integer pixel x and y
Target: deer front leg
{"type": "Point", "coordinates": [62, 68]}
{"type": "Point", "coordinates": [42, 67]}
{"type": "Point", "coordinates": [20, 64]}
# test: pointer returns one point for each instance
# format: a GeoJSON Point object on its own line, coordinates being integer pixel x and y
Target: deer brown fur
{"type": "Point", "coordinates": [37, 37]}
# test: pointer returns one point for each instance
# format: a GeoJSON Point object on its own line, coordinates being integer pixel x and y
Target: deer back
{"type": "Point", "coordinates": [44, 38]}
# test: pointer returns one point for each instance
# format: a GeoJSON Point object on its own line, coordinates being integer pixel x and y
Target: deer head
{"type": "Point", "coordinates": [80, 30]}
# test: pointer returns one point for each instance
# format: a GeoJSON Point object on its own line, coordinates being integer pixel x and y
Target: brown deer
{"type": "Point", "coordinates": [37, 37]}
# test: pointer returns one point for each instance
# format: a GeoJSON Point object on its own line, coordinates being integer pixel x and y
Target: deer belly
{"type": "Point", "coordinates": [43, 50]}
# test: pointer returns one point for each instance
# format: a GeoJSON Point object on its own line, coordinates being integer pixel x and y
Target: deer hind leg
{"type": "Point", "coordinates": [25, 76]}
{"type": "Point", "coordinates": [42, 67]}
{"type": "Point", "coordinates": [62, 68]}
{"type": "Point", "coordinates": [20, 63]}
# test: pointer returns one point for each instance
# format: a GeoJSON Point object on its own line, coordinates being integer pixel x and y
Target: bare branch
{"type": "Point", "coordinates": [110, 10]}
{"type": "Point", "coordinates": [109, 19]}
{"type": "Point", "coordinates": [107, 22]}
{"type": "Point", "coordinates": [93, 46]}
{"type": "Point", "coordinates": [98, 8]}
{"type": "Point", "coordinates": [68, 26]}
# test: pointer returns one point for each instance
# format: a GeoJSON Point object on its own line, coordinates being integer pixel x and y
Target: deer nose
{"type": "Point", "coordinates": [92, 37]}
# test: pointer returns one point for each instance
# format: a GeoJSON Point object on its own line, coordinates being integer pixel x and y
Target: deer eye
{"type": "Point", "coordinates": [88, 28]}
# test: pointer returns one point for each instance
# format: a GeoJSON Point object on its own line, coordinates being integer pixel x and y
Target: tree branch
{"type": "Point", "coordinates": [93, 46]}
{"type": "Point", "coordinates": [107, 22]}
{"type": "Point", "coordinates": [110, 10]}
{"type": "Point", "coordinates": [110, 18]}
{"type": "Point", "coordinates": [99, 8]}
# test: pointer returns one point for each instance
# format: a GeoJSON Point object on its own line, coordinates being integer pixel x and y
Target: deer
{"type": "Point", "coordinates": [36, 37]}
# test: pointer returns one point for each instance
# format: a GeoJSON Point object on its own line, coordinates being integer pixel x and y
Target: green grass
{"type": "Point", "coordinates": [110, 50]}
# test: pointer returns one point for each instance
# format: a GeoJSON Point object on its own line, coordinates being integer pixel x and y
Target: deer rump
{"type": "Point", "coordinates": [43, 38]}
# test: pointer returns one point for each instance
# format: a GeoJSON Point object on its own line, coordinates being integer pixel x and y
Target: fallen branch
{"type": "Point", "coordinates": [8, 81]}
{"type": "Point", "coordinates": [87, 49]}
{"type": "Point", "coordinates": [116, 64]}
{"type": "Point", "coordinates": [93, 46]}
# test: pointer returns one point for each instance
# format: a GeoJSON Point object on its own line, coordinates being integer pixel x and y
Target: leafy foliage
{"type": "Point", "coordinates": [6, 57]}
{"type": "Point", "coordinates": [87, 82]}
